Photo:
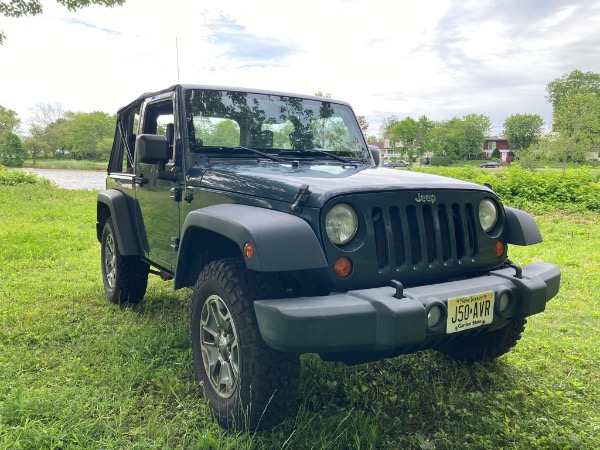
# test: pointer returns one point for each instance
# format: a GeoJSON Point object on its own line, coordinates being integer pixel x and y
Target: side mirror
{"type": "Point", "coordinates": [375, 152]}
{"type": "Point", "coordinates": [152, 148]}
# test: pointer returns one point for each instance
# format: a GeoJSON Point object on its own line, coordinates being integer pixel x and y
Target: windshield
{"type": "Point", "coordinates": [271, 123]}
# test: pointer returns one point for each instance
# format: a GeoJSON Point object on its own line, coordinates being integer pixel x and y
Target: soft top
{"type": "Point", "coordinates": [175, 87]}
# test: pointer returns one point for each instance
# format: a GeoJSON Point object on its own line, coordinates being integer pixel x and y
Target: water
{"type": "Point", "coordinates": [73, 179]}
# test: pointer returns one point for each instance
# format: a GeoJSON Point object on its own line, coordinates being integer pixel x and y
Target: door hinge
{"type": "Point", "coordinates": [175, 243]}
{"type": "Point", "coordinates": [176, 194]}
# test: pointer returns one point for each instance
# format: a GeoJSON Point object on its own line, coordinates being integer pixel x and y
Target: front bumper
{"type": "Point", "coordinates": [375, 320]}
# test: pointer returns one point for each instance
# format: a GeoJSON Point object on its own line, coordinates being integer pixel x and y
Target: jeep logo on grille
{"type": "Point", "coordinates": [420, 198]}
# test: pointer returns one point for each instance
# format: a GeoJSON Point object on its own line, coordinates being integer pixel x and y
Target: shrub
{"type": "Point", "coordinates": [11, 150]}
{"type": "Point", "coordinates": [15, 177]}
{"type": "Point", "coordinates": [575, 189]}
{"type": "Point", "coordinates": [441, 160]}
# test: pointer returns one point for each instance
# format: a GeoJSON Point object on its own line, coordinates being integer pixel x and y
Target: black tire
{"type": "Point", "coordinates": [486, 347]}
{"type": "Point", "coordinates": [247, 384]}
{"type": "Point", "coordinates": [125, 277]}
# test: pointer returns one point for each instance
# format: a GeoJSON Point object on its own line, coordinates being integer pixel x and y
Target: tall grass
{"type": "Point", "coordinates": [69, 164]}
{"type": "Point", "coordinates": [79, 372]}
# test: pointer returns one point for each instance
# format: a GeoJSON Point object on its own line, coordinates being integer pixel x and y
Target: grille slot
{"type": "Point", "coordinates": [380, 238]}
{"type": "Point", "coordinates": [424, 235]}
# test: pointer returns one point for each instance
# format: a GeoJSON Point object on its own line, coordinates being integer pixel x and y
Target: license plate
{"type": "Point", "coordinates": [470, 311]}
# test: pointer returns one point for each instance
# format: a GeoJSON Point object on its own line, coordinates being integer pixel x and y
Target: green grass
{"type": "Point", "coordinates": [79, 372]}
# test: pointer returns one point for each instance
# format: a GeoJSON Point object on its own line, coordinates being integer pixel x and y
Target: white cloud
{"type": "Point", "coordinates": [438, 58]}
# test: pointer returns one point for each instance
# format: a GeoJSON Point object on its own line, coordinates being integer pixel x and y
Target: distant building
{"type": "Point", "coordinates": [495, 143]}
{"type": "Point", "coordinates": [501, 144]}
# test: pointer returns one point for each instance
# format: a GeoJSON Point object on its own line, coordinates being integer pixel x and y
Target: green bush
{"type": "Point", "coordinates": [14, 177]}
{"type": "Point", "coordinates": [575, 189]}
{"type": "Point", "coordinates": [441, 160]}
{"type": "Point", "coordinates": [11, 150]}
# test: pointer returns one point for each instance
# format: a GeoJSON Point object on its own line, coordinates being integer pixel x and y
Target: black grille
{"type": "Point", "coordinates": [424, 235]}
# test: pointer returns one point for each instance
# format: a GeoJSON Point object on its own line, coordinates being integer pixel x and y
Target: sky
{"type": "Point", "coordinates": [439, 58]}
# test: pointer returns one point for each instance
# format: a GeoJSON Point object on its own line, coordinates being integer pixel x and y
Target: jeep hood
{"type": "Point", "coordinates": [281, 182]}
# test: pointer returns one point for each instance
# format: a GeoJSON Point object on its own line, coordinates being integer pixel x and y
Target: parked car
{"type": "Point", "coordinates": [490, 165]}
{"type": "Point", "coordinates": [393, 164]}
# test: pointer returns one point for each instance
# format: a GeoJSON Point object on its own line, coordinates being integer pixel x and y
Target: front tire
{"type": "Point", "coordinates": [486, 347]}
{"type": "Point", "coordinates": [247, 384]}
{"type": "Point", "coordinates": [125, 277]}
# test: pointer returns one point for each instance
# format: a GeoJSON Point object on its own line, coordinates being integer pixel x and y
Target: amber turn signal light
{"type": "Point", "coordinates": [499, 249]}
{"type": "Point", "coordinates": [248, 249]}
{"type": "Point", "coordinates": [343, 267]}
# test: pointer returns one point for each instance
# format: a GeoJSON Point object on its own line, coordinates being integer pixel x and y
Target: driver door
{"type": "Point", "coordinates": [157, 212]}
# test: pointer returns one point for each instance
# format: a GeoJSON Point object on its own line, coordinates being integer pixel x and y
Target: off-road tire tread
{"type": "Point", "coordinates": [486, 347]}
{"type": "Point", "coordinates": [132, 274]}
{"type": "Point", "coordinates": [269, 378]}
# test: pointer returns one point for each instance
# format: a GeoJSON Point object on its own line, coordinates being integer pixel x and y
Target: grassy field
{"type": "Point", "coordinates": [78, 372]}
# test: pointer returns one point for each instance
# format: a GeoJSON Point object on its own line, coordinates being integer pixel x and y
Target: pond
{"type": "Point", "coordinates": [73, 179]}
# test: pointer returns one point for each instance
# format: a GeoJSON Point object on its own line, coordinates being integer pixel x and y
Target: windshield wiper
{"type": "Point", "coordinates": [315, 152]}
{"type": "Point", "coordinates": [256, 152]}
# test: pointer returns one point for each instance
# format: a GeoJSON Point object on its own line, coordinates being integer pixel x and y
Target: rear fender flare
{"type": "Point", "coordinates": [117, 203]}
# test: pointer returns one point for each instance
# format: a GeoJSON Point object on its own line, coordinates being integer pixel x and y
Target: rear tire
{"type": "Point", "coordinates": [125, 277]}
{"type": "Point", "coordinates": [486, 347]}
{"type": "Point", "coordinates": [247, 384]}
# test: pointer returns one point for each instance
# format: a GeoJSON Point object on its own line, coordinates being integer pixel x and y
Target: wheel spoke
{"type": "Point", "coordinates": [234, 358]}
{"type": "Point", "coordinates": [210, 356]}
{"type": "Point", "coordinates": [214, 313]}
{"type": "Point", "coordinates": [224, 317]}
{"type": "Point", "coordinates": [226, 379]}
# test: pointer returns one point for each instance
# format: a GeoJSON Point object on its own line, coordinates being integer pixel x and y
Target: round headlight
{"type": "Point", "coordinates": [341, 223]}
{"type": "Point", "coordinates": [488, 214]}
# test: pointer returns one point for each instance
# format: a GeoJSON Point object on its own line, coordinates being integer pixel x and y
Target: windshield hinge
{"type": "Point", "coordinates": [300, 198]}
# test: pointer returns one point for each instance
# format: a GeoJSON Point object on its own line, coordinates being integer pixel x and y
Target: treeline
{"type": "Point", "coordinates": [53, 133]}
{"type": "Point", "coordinates": [575, 135]}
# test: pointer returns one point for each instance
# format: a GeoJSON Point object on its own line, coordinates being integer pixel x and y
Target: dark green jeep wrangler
{"type": "Point", "coordinates": [272, 208]}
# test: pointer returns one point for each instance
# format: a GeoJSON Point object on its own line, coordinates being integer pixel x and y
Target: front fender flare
{"type": "Point", "coordinates": [522, 229]}
{"type": "Point", "coordinates": [282, 241]}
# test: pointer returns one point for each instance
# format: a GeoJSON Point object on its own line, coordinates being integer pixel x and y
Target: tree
{"type": "Point", "coordinates": [414, 136]}
{"type": "Point", "coordinates": [20, 8]}
{"type": "Point", "coordinates": [35, 147]}
{"type": "Point", "coordinates": [577, 124]}
{"type": "Point", "coordinates": [227, 132]}
{"type": "Point", "coordinates": [461, 138]}
{"type": "Point", "coordinates": [404, 133]}
{"type": "Point", "coordinates": [447, 136]}
{"type": "Point", "coordinates": [54, 136]}
{"type": "Point", "coordinates": [85, 131]}
{"type": "Point", "coordinates": [43, 114]}
{"type": "Point", "coordinates": [523, 130]}
{"type": "Point", "coordinates": [475, 129]}
{"type": "Point", "coordinates": [11, 150]}
{"type": "Point", "coordinates": [371, 138]}
{"type": "Point", "coordinates": [571, 83]}
{"type": "Point", "coordinates": [386, 124]}
{"type": "Point", "coordinates": [362, 122]}
{"type": "Point", "coordinates": [8, 120]}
